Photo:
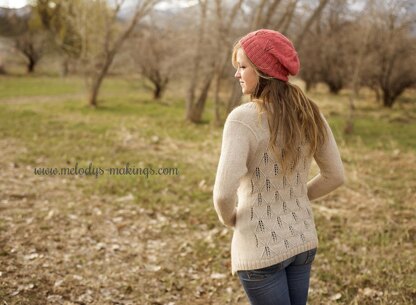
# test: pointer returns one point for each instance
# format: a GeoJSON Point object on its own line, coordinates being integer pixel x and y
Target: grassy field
{"type": "Point", "coordinates": [132, 239]}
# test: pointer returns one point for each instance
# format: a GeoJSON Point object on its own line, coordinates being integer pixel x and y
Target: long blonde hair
{"type": "Point", "coordinates": [291, 113]}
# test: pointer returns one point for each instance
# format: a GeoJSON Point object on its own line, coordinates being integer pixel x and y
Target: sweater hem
{"type": "Point", "coordinates": [250, 265]}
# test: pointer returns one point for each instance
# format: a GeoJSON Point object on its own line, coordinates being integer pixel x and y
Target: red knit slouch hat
{"type": "Point", "coordinates": [272, 53]}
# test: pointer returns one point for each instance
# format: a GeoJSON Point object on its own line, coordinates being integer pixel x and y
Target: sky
{"type": "Point", "coordinates": [12, 3]}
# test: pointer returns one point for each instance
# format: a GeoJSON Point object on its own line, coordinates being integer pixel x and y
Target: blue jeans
{"type": "Point", "coordinates": [285, 283]}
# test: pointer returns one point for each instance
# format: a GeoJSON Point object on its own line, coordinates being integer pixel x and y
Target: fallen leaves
{"type": "Point", "coordinates": [335, 297]}
{"type": "Point", "coordinates": [371, 293]}
{"type": "Point", "coordinates": [218, 276]}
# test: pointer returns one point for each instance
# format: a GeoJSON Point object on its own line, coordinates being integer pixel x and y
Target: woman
{"type": "Point", "coordinates": [261, 189]}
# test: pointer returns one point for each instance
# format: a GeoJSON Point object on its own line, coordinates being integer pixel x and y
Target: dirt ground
{"type": "Point", "coordinates": [61, 247]}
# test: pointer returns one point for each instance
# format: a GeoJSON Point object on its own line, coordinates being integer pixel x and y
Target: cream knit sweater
{"type": "Point", "coordinates": [270, 215]}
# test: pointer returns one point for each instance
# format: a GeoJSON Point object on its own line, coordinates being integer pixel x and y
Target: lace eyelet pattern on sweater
{"type": "Point", "coordinates": [279, 217]}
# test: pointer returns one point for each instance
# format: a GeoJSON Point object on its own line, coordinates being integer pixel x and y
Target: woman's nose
{"type": "Point", "coordinates": [237, 74]}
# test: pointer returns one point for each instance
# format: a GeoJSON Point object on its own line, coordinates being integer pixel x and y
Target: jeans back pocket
{"type": "Point", "coordinates": [304, 258]}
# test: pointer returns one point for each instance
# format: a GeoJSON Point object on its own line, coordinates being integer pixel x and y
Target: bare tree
{"type": "Point", "coordinates": [357, 63]}
{"type": "Point", "coordinates": [55, 16]}
{"type": "Point", "coordinates": [3, 50]}
{"type": "Point", "coordinates": [195, 104]}
{"type": "Point", "coordinates": [337, 42]}
{"type": "Point", "coordinates": [392, 60]}
{"type": "Point", "coordinates": [32, 46]}
{"type": "Point", "coordinates": [27, 33]}
{"type": "Point", "coordinates": [333, 47]}
{"type": "Point", "coordinates": [102, 35]}
{"type": "Point", "coordinates": [152, 53]}
{"type": "Point", "coordinates": [224, 25]}
{"type": "Point", "coordinates": [374, 47]}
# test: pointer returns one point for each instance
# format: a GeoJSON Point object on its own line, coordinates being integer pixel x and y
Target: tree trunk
{"type": "Point", "coordinates": [65, 67]}
{"type": "Point", "coordinates": [95, 88]}
{"type": "Point", "coordinates": [157, 93]}
{"type": "Point", "coordinates": [378, 95]}
{"type": "Point", "coordinates": [334, 88]}
{"type": "Point", "coordinates": [190, 98]}
{"type": "Point", "coordinates": [98, 78]}
{"type": "Point", "coordinates": [308, 85]}
{"type": "Point", "coordinates": [355, 83]}
{"type": "Point", "coordinates": [390, 97]}
{"type": "Point", "coordinates": [235, 97]}
{"type": "Point", "coordinates": [223, 47]}
{"type": "Point", "coordinates": [93, 94]}
{"type": "Point", "coordinates": [217, 116]}
{"type": "Point", "coordinates": [388, 101]}
{"type": "Point", "coordinates": [31, 65]}
{"type": "Point", "coordinates": [349, 126]}
{"type": "Point", "coordinates": [2, 70]}
{"type": "Point", "coordinates": [109, 52]}
{"type": "Point", "coordinates": [195, 113]}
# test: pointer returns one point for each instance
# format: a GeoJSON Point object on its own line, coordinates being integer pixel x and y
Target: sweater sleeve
{"type": "Point", "coordinates": [232, 166]}
{"type": "Point", "coordinates": [331, 168]}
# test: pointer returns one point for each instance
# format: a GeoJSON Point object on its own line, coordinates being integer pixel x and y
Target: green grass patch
{"type": "Point", "coordinates": [27, 86]}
